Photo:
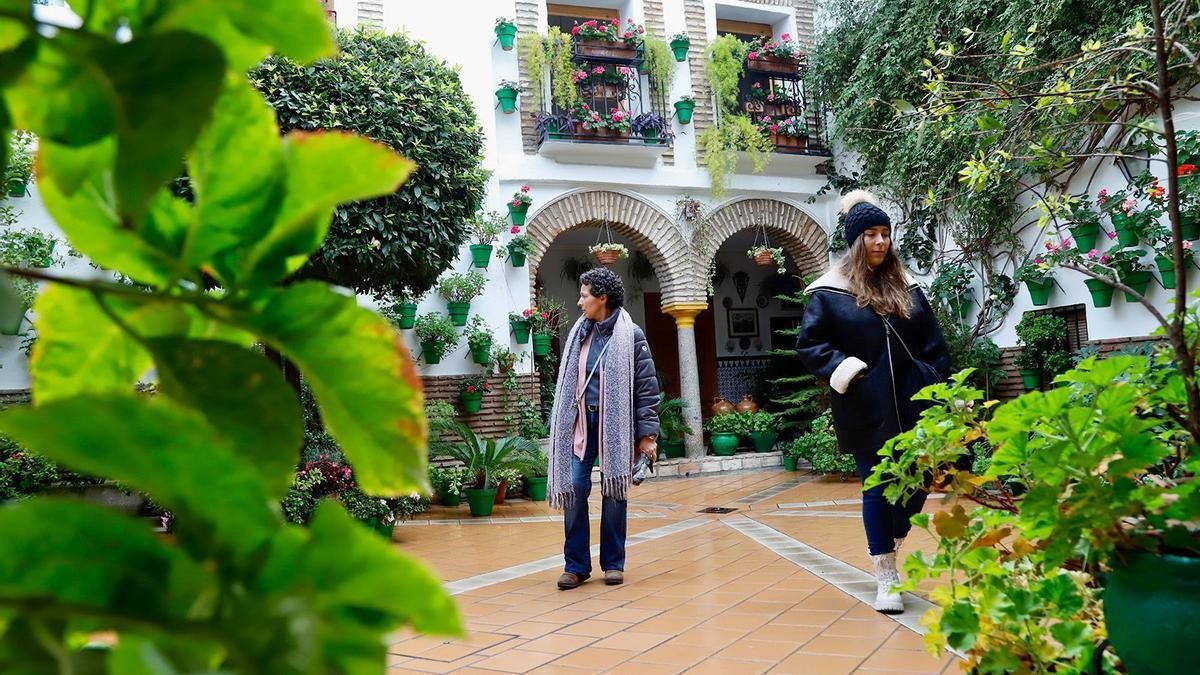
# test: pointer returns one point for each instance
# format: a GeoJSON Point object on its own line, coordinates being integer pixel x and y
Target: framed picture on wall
{"type": "Point", "coordinates": [743, 322]}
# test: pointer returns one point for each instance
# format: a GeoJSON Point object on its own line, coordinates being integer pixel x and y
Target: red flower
{"type": "Point", "coordinates": [545, 316]}
{"type": "Point", "coordinates": [641, 29]}
{"type": "Point", "coordinates": [627, 35]}
{"type": "Point", "coordinates": [616, 22]}
{"type": "Point", "coordinates": [524, 188]}
{"type": "Point", "coordinates": [527, 313]}
{"type": "Point", "coordinates": [753, 55]}
{"type": "Point", "coordinates": [470, 389]}
{"type": "Point", "coordinates": [1186, 169]}
{"type": "Point", "coordinates": [590, 24]}
{"type": "Point", "coordinates": [515, 230]}
{"type": "Point", "coordinates": [774, 128]}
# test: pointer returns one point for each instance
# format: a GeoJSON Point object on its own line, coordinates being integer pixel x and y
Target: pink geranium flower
{"type": "Point", "coordinates": [785, 37]}
{"type": "Point", "coordinates": [1112, 235]}
{"type": "Point", "coordinates": [525, 188]}
{"type": "Point", "coordinates": [774, 128]}
{"type": "Point", "coordinates": [515, 230]}
{"type": "Point", "coordinates": [753, 55]}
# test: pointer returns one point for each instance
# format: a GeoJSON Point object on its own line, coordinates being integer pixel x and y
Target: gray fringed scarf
{"type": "Point", "coordinates": [616, 414]}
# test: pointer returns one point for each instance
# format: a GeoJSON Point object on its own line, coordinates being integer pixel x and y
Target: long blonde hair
{"type": "Point", "coordinates": [884, 288]}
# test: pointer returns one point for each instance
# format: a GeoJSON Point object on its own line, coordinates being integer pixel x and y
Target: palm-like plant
{"type": "Point", "coordinates": [483, 457]}
{"type": "Point", "coordinates": [672, 425]}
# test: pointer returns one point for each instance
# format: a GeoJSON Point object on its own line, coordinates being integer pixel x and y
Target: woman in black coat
{"type": "Point", "coordinates": [869, 331]}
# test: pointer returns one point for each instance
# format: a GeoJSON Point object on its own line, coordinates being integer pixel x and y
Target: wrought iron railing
{"type": "Point", "coordinates": [618, 102]}
{"type": "Point", "coordinates": [772, 93]}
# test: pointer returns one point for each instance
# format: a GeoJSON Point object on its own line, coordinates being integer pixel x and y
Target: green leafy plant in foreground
{"type": "Point", "coordinates": [235, 588]}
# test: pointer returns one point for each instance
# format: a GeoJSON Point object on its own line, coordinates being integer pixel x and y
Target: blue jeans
{"type": "Point", "coordinates": [577, 549]}
{"type": "Point", "coordinates": [885, 522]}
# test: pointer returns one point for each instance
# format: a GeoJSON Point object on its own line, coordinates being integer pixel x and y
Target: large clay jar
{"type": "Point", "coordinates": [721, 406]}
{"type": "Point", "coordinates": [747, 405]}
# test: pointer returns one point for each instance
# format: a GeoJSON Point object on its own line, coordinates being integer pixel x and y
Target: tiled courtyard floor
{"type": "Point", "coordinates": [770, 587]}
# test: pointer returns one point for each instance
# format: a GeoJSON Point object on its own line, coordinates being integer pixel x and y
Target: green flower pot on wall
{"type": "Point", "coordinates": [1085, 236]}
{"type": "Point", "coordinates": [517, 213]}
{"type": "Point", "coordinates": [1166, 270]}
{"type": "Point", "coordinates": [481, 255]}
{"type": "Point", "coordinates": [506, 32]}
{"type": "Point", "coordinates": [1138, 281]}
{"type": "Point", "coordinates": [1032, 379]}
{"type": "Point", "coordinates": [458, 311]}
{"type": "Point", "coordinates": [517, 258]}
{"type": "Point", "coordinates": [541, 344]}
{"type": "Point", "coordinates": [1102, 293]}
{"type": "Point", "coordinates": [683, 110]}
{"type": "Point", "coordinates": [680, 49]}
{"type": "Point", "coordinates": [471, 403]}
{"type": "Point", "coordinates": [483, 354]}
{"type": "Point", "coordinates": [520, 331]}
{"type": "Point", "coordinates": [1039, 292]}
{"type": "Point", "coordinates": [408, 315]}
{"type": "Point", "coordinates": [508, 99]}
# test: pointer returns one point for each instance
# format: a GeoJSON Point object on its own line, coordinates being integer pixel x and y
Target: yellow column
{"type": "Point", "coordinates": [684, 314]}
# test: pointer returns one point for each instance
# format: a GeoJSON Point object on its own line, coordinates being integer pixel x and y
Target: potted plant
{"type": "Point", "coordinates": [723, 433]}
{"type": "Point", "coordinates": [762, 429]}
{"type": "Point", "coordinates": [1098, 263]}
{"type": "Point", "coordinates": [1131, 271]}
{"type": "Point", "coordinates": [21, 248]}
{"type": "Point", "coordinates": [786, 133]}
{"type": "Point", "coordinates": [1161, 241]}
{"type": "Point", "coordinates": [1085, 222]}
{"type": "Point", "coordinates": [820, 447]}
{"type": "Point", "coordinates": [479, 341]}
{"type": "Point", "coordinates": [519, 247]}
{"type": "Point", "coordinates": [617, 124]}
{"type": "Point", "coordinates": [1041, 337]}
{"type": "Point", "coordinates": [437, 336]}
{"type": "Point", "coordinates": [518, 206]}
{"type": "Point", "coordinates": [608, 253]}
{"type": "Point", "coordinates": [1038, 278]}
{"type": "Point", "coordinates": [520, 324]}
{"type": "Point", "coordinates": [684, 108]}
{"type": "Point", "coordinates": [448, 484]}
{"type": "Point", "coordinates": [651, 127]}
{"type": "Point", "coordinates": [508, 481]}
{"type": "Point", "coordinates": [551, 125]}
{"type": "Point", "coordinates": [482, 459]}
{"type": "Point", "coordinates": [775, 56]}
{"type": "Point", "coordinates": [506, 32]}
{"type": "Point", "coordinates": [544, 323]}
{"type": "Point", "coordinates": [1128, 220]}
{"type": "Point", "coordinates": [506, 94]}
{"type": "Point", "coordinates": [374, 512]}
{"type": "Point", "coordinates": [679, 45]}
{"type": "Point", "coordinates": [20, 164]}
{"type": "Point", "coordinates": [606, 39]}
{"type": "Point", "coordinates": [403, 313]}
{"type": "Point", "coordinates": [589, 123]}
{"type": "Point", "coordinates": [768, 256]}
{"type": "Point", "coordinates": [504, 358]}
{"type": "Point", "coordinates": [459, 290]}
{"type": "Point", "coordinates": [536, 475]}
{"type": "Point", "coordinates": [953, 285]}
{"type": "Point", "coordinates": [471, 391]}
{"type": "Point", "coordinates": [791, 455]}
{"type": "Point", "coordinates": [1189, 201]}
{"type": "Point", "coordinates": [672, 426]}
{"type": "Point", "coordinates": [485, 229]}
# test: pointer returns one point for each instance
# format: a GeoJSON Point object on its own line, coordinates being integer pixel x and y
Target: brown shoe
{"type": "Point", "coordinates": [568, 581]}
{"type": "Point", "coordinates": [614, 577]}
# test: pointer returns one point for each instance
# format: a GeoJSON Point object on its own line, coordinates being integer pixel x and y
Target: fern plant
{"type": "Point", "coordinates": [726, 64]}
{"type": "Point", "coordinates": [660, 63]}
{"type": "Point", "coordinates": [532, 49]}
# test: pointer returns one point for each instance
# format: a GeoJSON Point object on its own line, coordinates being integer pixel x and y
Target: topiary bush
{"type": "Point", "coordinates": [388, 87]}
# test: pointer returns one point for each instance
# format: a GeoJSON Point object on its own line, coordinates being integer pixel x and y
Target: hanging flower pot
{"type": "Point", "coordinates": [1189, 226]}
{"type": "Point", "coordinates": [607, 257]}
{"type": "Point", "coordinates": [684, 109]}
{"type": "Point", "coordinates": [1032, 379]}
{"type": "Point", "coordinates": [517, 258]}
{"type": "Point", "coordinates": [481, 501]}
{"type": "Point", "coordinates": [1039, 291]}
{"type": "Point", "coordinates": [1138, 281]}
{"type": "Point", "coordinates": [1126, 227]}
{"type": "Point", "coordinates": [506, 31]}
{"type": "Point", "coordinates": [517, 213]}
{"type": "Point", "coordinates": [18, 187]}
{"type": "Point", "coordinates": [679, 47]}
{"type": "Point", "coordinates": [1102, 293]}
{"type": "Point", "coordinates": [1085, 235]}
{"type": "Point", "coordinates": [541, 344]}
{"type": "Point", "coordinates": [764, 259]}
{"type": "Point", "coordinates": [481, 255]}
{"type": "Point", "coordinates": [408, 315]}
{"type": "Point", "coordinates": [1166, 270]}
{"type": "Point", "coordinates": [431, 352]}
{"type": "Point", "coordinates": [508, 99]}
{"type": "Point", "coordinates": [520, 331]}
{"type": "Point", "coordinates": [482, 354]}
{"type": "Point", "coordinates": [608, 253]}
{"type": "Point", "coordinates": [472, 402]}
{"type": "Point", "coordinates": [1150, 605]}
{"type": "Point", "coordinates": [458, 312]}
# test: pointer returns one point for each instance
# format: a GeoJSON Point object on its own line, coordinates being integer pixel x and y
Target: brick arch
{"type": "Point", "coordinates": [802, 238]}
{"type": "Point", "coordinates": [649, 227]}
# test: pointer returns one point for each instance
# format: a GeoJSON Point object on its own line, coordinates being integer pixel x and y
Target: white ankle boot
{"type": "Point", "coordinates": [887, 599]}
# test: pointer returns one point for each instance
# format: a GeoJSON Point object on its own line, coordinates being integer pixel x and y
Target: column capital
{"type": "Point", "coordinates": [685, 313]}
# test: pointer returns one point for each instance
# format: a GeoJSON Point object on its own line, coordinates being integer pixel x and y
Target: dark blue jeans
{"type": "Point", "coordinates": [578, 548]}
{"type": "Point", "coordinates": [885, 522]}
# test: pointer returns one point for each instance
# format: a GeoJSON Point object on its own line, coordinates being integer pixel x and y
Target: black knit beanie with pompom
{"type": "Point", "coordinates": [862, 212]}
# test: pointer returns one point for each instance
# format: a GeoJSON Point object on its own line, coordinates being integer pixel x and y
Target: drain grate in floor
{"type": "Point", "coordinates": [716, 509]}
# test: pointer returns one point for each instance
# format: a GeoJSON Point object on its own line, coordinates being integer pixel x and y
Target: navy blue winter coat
{"type": "Point", "coordinates": [838, 340]}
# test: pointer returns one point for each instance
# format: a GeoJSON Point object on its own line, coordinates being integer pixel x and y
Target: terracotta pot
{"type": "Point", "coordinates": [607, 257]}
{"type": "Point", "coordinates": [747, 405]}
{"type": "Point", "coordinates": [764, 259]}
{"type": "Point", "coordinates": [603, 49]}
{"type": "Point", "coordinates": [784, 142]}
{"type": "Point", "coordinates": [766, 63]}
{"type": "Point", "coordinates": [721, 406]}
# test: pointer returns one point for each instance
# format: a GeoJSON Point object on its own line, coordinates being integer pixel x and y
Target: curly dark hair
{"type": "Point", "coordinates": [603, 281]}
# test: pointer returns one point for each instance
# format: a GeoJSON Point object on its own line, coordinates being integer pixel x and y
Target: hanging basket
{"type": "Point", "coordinates": [764, 259]}
{"type": "Point", "coordinates": [607, 257]}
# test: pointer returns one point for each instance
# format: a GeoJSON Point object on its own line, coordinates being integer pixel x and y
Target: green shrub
{"type": "Point", "coordinates": [729, 423]}
{"type": "Point", "coordinates": [820, 447]}
{"type": "Point", "coordinates": [462, 287]}
{"type": "Point", "coordinates": [437, 331]}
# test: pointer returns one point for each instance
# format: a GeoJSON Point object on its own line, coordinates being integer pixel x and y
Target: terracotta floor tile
{"type": "Point", "coordinates": [795, 635]}
{"type": "Point", "coordinates": [633, 640]}
{"type": "Point", "coordinates": [595, 628]}
{"type": "Point", "coordinates": [905, 639]}
{"type": "Point", "coordinates": [557, 643]}
{"type": "Point", "coordinates": [818, 664]}
{"type": "Point", "coordinates": [711, 636]}
{"type": "Point", "coordinates": [857, 628]}
{"type": "Point", "coordinates": [428, 666]}
{"type": "Point", "coordinates": [450, 652]}
{"type": "Point", "coordinates": [503, 647]}
{"type": "Point", "coordinates": [841, 646]}
{"type": "Point", "coordinates": [597, 605]}
{"type": "Point", "coordinates": [759, 607]}
{"type": "Point", "coordinates": [516, 661]}
{"type": "Point", "coordinates": [565, 616]}
{"type": "Point", "coordinates": [532, 629]}
{"type": "Point", "coordinates": [808, 617]}
{"type": "Point", "coordinates": [551, 669]}
{"type": "Point", "coordinates": [629, 614]}
{"type": "Point", "coordinates": [634, 667]}
{"type": "Point", "coordinates": [904, 660]}
{"type": "Point", "coordinates": [732, 621]}
{"type": "Point", "coordinates": [828, 602]}
{"type": "Point", "coordinates": [655, 602]}
{"type": "Point", "coordinates": [595, 658]}
{"type": "Point", "coordinates": [394, 661]}
{"type": "Point", "coordinates": [677, 654]}
{"type": "Point", "coordinates": [719, 666]}
{"type": "Point", "coordinates": [757, 650]}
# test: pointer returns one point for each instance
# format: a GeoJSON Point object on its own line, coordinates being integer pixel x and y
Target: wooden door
{"type": "Point", "coordinates": [664, 345]}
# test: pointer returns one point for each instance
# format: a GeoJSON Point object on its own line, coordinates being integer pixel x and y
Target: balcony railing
{"type": "Point", "coordinates": [772, 94]}
{"type": "Point", "coordinates": [618, 104]}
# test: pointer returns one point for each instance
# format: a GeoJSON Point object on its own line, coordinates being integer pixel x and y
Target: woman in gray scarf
{"type": "Point", "coordinates": [605, 405]}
